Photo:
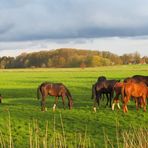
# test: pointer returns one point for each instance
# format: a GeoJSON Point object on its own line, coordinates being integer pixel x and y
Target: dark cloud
{"type": "Point", "coordinates": [27, 20]}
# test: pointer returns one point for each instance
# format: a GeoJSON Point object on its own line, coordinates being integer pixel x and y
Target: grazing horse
{"type": "Point", "coordinates": [100, 79]}
{"type": "Point", "coordinates": [137, 78]}
{"type": "Point", "coordinates": [117, 89]}
{"type": "Point", "coordinates": [135, 90]}
{"type": "Point", "coordinates": [106, 87]}
{"type": "Point", "coordinates": [1, 98]}
{"type": "Point", "coordinates": [54, 89]}
{"type": "Point", "coordinates": [140, 78]}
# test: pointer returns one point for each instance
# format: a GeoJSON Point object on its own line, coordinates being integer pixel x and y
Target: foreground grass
{"type": "Point", "coordinates": [19, 90]}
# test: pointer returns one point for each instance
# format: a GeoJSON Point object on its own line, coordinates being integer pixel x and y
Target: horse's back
{"type": "Point", "coordinates": [135, 89]}
{"type": "Point", "coordinates": [141, 78]}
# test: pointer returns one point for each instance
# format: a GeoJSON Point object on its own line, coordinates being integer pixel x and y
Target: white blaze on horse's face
{"type": "Point", "coordinates": [95, 109]}
{"type": "Point", "coordinates": [54, 107]}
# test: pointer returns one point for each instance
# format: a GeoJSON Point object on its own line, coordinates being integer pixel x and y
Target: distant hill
{"type": "Point", "coordinates": [69, 57]}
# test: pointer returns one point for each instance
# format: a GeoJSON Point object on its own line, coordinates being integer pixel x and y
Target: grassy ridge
{"type": "Point", "coordinates": [19, 90]}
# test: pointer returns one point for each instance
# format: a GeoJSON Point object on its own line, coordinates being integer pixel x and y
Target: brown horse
{"type": "Point", "coordinates": [137, 78]}
{"type": "Point", "coordinates": [54, 89]}
{"type": "Point", "coordinates": [135, 90]}
{"type": "Point", "coordinates": [102, 87]}
{"type": "Point", "coordinates": [117, 89]}
{"type": "Point", "coordinates": [1, 98]}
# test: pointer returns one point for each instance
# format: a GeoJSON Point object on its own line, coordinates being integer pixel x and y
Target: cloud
{"type": "Point", "coordinates": [27, 20]}
{"type": "Point", "coordinates": [32, 25]}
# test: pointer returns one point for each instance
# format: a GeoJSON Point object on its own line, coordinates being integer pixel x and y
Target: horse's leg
{"type": "Point", "coordinates": [124, 105]}
{"type": "Point", "coordinates": [137, 102]}
{"type": "Point", "coordinates": [116, 101]}
{"type": "Point", "coordinates": [43, 104]}
{"type": "Point", "coordinates": [144, 103]}
{"type": "Point", "coordinates": [107, 99]}
{"type": "Point", "coordinates": [96, 101]}
{"type": "Point", "coordinates": [55, 103]}
{"type": "Point", "coordinates": [110, 99]}
{"type": "Point", "coordinates": [126, 102]}
{"type": "Point", "coordinates": [117, 98]}
{"type": "Point", "coordinates": [140, 103]}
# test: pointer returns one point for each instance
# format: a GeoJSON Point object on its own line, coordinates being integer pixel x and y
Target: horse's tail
{"type": "Point", "coordinates": [93, 91]}
{"type": "Point", "coordinates": [38, 92]}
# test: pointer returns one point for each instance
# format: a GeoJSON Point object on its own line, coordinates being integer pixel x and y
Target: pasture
{"type": "Point", "coordinates": [20, 112]}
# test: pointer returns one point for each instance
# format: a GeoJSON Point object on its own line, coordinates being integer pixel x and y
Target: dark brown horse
{"type": "Point", "coordinates": [100, 79]}
{"type": "Point", "coordinates": [54, 89]}
{"type": "Point", "coordinates": [102, 87]}
{"type": "Point", "coordinates": [1, 98]}
{"type": "Point", "coordinates": [135, 90]}
{"type": "Point", "coordinates": [140, 78]}
{"type": "Point", "coordinates": [137, 78]}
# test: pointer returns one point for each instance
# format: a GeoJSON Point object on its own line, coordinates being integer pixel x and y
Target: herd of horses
{"type": "Point", "coordinates": [135, 87]}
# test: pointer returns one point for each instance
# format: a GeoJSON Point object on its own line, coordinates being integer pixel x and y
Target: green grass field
{"type": "Point", "coordinates": [18, 88]}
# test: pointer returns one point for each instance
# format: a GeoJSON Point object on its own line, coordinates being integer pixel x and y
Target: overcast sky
{"type": "Point", "coordinates": [119, 26]}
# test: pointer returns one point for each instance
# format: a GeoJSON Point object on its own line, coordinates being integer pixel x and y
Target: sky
{"type": "Point", "coordinates": [118, 26]}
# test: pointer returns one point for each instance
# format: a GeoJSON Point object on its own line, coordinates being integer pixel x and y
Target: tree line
{"type": "Point", "coordinates": [67, 57]}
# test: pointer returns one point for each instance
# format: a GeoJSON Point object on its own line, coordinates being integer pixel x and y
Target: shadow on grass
{"type": "Point", "coordinates": [18, 92]}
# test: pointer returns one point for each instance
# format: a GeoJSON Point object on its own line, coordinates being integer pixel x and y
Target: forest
{"type": "Point", "coordinates": [68, 57]}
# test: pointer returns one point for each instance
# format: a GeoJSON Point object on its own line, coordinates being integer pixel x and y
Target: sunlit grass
{"type": "Point", "coordinates": [18, 88]}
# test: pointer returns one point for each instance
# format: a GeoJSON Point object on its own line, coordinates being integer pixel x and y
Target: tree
{"type": "Point", "coordinates": [95, 61]}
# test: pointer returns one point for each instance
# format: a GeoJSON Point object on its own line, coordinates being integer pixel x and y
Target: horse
{"type": "Point", "coordinates": [140, 78]}
{"type": "Point", "coordinates": [135, 90]}
{"type": "Point", "coordinates": [106, 87]}
{"type": "Point", "coordinates": [137, 78]}
{"type": "Point", "coordinates": [117, 89]}
{"type": "Point", "coordinates": [1, 98]}
{"type": "Point", "coordinates": [100, 79]}
{"type": "Point", "coordinates": [54, 89]}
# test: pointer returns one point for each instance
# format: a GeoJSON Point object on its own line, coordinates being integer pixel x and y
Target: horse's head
{"type": "Point", "coordinates": [70, 104]}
